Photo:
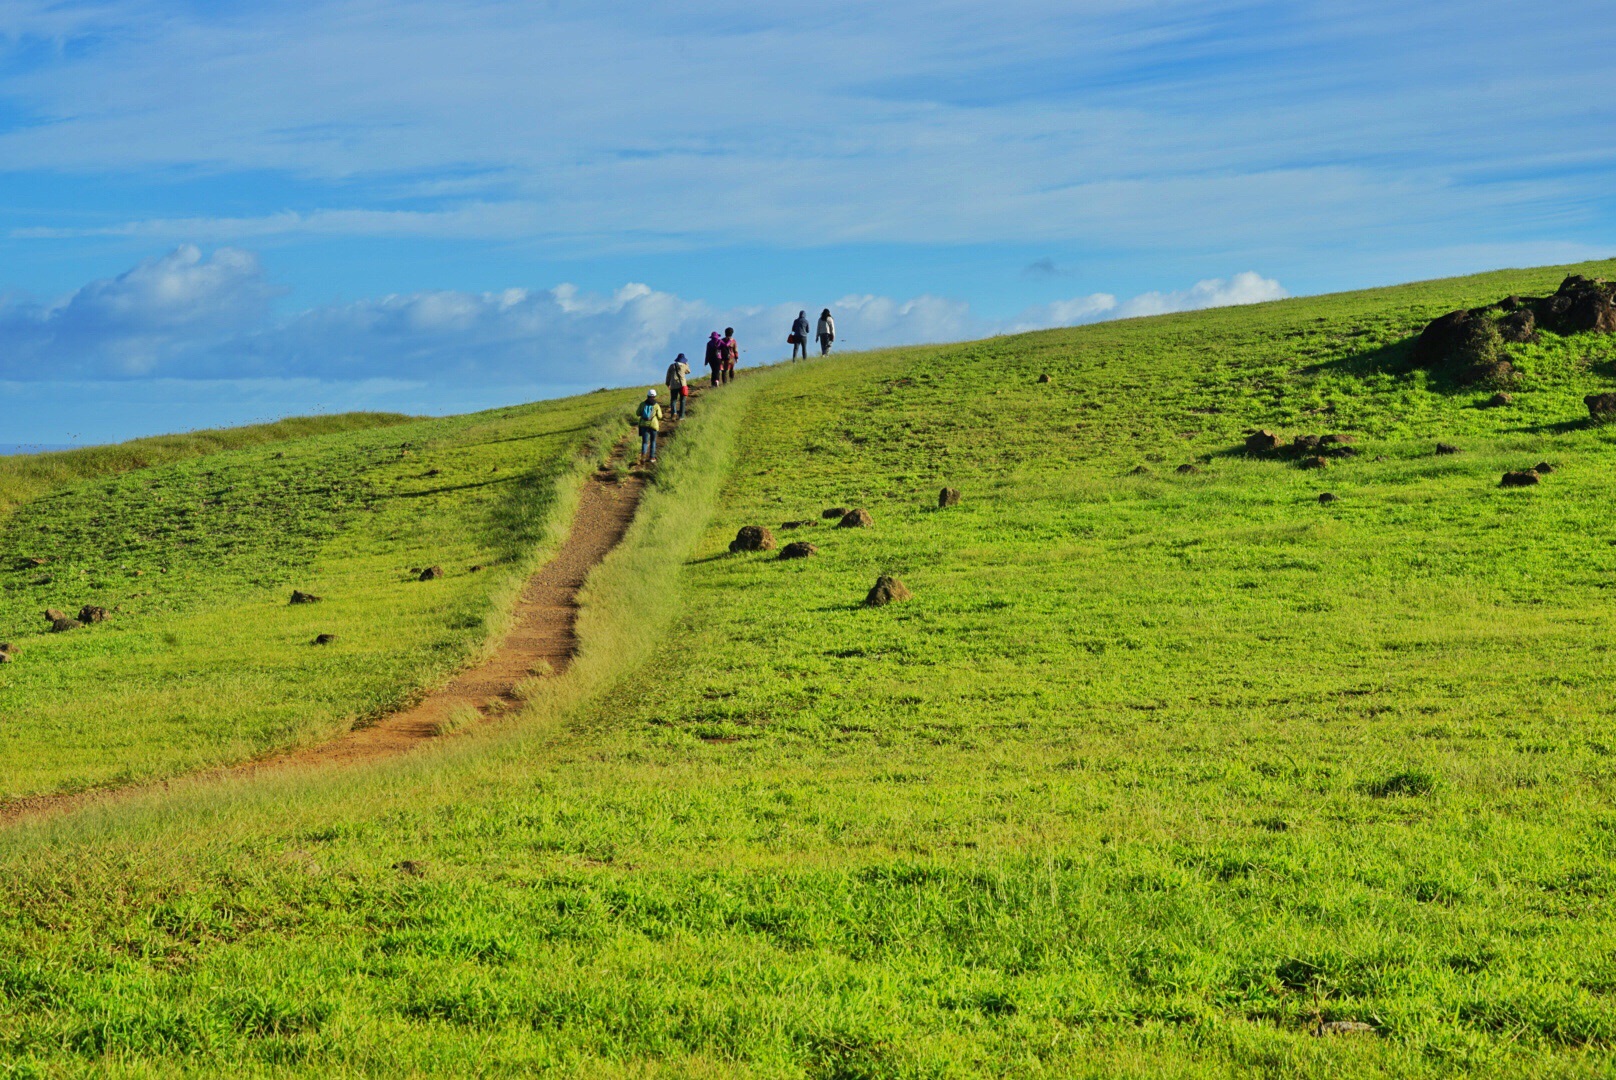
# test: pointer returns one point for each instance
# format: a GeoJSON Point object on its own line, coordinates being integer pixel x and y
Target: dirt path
{"type": "Point", "coordinates": [541, 642]}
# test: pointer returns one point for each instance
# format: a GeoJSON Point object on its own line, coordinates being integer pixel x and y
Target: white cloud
{"type": "Point", "coordinates": [157, 313]}
{"type": "Point", "coordinates": [186, 316]}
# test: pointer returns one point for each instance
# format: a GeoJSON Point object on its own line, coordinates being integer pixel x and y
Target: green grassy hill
{"type": "Point", "coordinates": [1155, 773]}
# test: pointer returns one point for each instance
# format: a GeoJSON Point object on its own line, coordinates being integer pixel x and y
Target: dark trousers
{"type": "Point", "coordinates": [803, 345]}
{"type": "Point", "coordinates": [824, 346]}
{"type": "Point", "coordinates": [677, 407]}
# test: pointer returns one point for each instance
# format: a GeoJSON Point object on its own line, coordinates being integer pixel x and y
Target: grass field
{"type": "Point", "coordinates": [201, 660]}
{"type": "Point", "coordinates": [1155, 773]}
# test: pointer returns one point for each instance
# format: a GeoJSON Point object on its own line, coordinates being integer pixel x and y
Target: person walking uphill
{"type": "Point", "coordinates": [827, 331]}
{"type": "Point", "coordinates": [799, 335]}
{"type": "Point", "coordinates": [715, 357]}
{"type": "Point", "coordinates": [677, 380]}
{"type": "Point", "coordinates": [732, 353]}
{"type": "Point", "coordinates": [649, 418]}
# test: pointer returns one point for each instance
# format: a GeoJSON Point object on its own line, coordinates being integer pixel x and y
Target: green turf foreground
{"type": "Point", "coordinates": [1154, 774]}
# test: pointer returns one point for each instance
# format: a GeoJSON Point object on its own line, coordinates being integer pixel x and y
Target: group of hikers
{"type": "Point", "coordinates": [723, 353]}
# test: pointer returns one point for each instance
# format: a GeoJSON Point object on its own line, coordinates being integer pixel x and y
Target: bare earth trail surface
{"type": "Point", "coordinates": [541, 642]}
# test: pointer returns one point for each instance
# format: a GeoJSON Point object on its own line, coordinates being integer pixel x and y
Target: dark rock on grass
{"type": "Point", "coordinates": [1499, 400]}
{"type": "Point", "coordinates": [752, 538]}
{"type": "Point", "coordinates": [7, 649]}
{"type": "Point", "coordinates": [323, 639]}
{"type": "Point", "coordinates": [802, 523]}
{"type": "Point", "coordinates": [62, 626]}
{"type": "Point", "coordinates": [1519, 479]}
{"type": "Point", "coordinates": [1139, 470]}
{"type": "Point", "coordinates": [1326, 498]}
{"type": "Point", "coordinates": [887, 590]}
{"type": "Point", "coordinates": [475, 569]}
{"type": "Point", "coordinates": [1340, 451]}
{"type": "Point", "coordinates": [1446, 448]}
{"type": "Point", "coordinates": [1046, 377]}
{"type": "Point", "coordinates": [1496, 371]}
{"type": "Point", "coordinates": [1262, 442]}
{"type": "Point", "coordinates": [1342, 1027]}
{"type": "Point", "coordinates": [1304, 444]}
{"type": "Point", "coordinates": [798, 549]}
{"type": "Point", "coordinates": [89, 613]}
{"type": "Point", "coordinates": [431, 573]}
{"type": "Point", "coordinates": [53, 615]}
{"type": "Point", "coordinates": [5, 658]}
{"type": "Point", "coordinates": [1314, 463]}
{"type": "Point", "coordinates": [410, 867]}
{"type": "Point", "coordinates": [1519, 328]}
{"type": "Point", "coordinates": [948, 497]}
{"type": "Point", "coordinates": [856, 519]}
{"type": "Point", "coordinates": [1186, 469]}
{"type": "Point", "coordinates": [1601, 407]}
{"type": "Point", "coordinates": [834, 512]}
{"type": "Point", "coordinates": [1543, 468]}
{"type": "Point", "coordinates": [301, 597]}
{"type": "Point", "coordinates": [1337, 440]}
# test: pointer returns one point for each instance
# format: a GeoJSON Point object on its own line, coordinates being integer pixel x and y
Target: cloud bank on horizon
{"type": "Point", "coordinates": [194, 316]}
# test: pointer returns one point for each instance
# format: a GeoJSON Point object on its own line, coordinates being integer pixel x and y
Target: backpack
{"type": "Point", "coordinates": [647, 411]}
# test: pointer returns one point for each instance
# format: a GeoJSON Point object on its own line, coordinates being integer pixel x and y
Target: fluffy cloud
{"type": "Point", "coordinates": [188, 316]}
{"type": "Point", "coordinates": [163, 311]}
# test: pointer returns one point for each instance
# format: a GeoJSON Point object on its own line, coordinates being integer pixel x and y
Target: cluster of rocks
{"type": "Point", "coordinates": [1308, 451]}
{"type": "Point", "coordinates": [887, 589]}
{"type": "Point", "coordinates": [1469, 345]}
{"type": "Point", "coordinates": [1526, 477]}
{"type": "Point", "coordinates": [61, 621]}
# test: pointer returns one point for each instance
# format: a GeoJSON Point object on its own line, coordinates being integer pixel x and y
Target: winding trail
{"type": "Point", "coordinates": [540, 643]}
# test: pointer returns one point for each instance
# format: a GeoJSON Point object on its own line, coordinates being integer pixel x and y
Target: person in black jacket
{"type": "Point", "coordinates": [715, 357]}
{"type": "Point", "coordinates": [799, 335]}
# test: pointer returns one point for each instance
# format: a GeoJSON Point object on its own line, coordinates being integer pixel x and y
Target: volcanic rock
{"type": "Point", "coordinates": [805, 523]}
{"type": "Point", "coordinates": [89, 613]}
{"type": "Point", "coordinates": [431, 573]}
{"type": "Point", "coordinates": [948, 497]}
{"type": "Point", "coordinates": [887, 590]}
{"type": "Point", "coordinates": [1315, 462]}
{"type": "Point", "coordinates": [1519, 327]}
{"type": "Point", "coordinates": [1338, 440]}
{"type": "Point", "coordinates": [1262, 442]}
{"type": "Point", "coordinates": [1046, 377]}
{"type": "Point", "coordinates": [1342, 1027]}
{"type": "Point", "coordinates": [798, 549]}
{"type": "Point", "coordinates": [62, 626]}
{"type": "Point", "coordinates": [752, 538]}
{"type": "Point", "coordinates": [1139, 470]}
{"type": "Point", "coordinates": [1543, 468]}
{"type": "Point", "coordinates": [1304, 444]}
{"type": "Point", "coordinates": [1601, 406]}
{"type": "Point", "coordinates": [833, 512]}
{"type": "Point", "coordinates": [856, 519]}
{"type": "Point", "coordinates": [53, 615]}
{"type": "Point", "coordinates": [323, 639]}
{"type": "Point", "coordinates": [1327, 498]}
{"type": "Point", "coordinates": [301, 597]}
{"type": "Point", "coordinates": [1446, 448]}
{"type": "Point", "coordinates": [1186, 469]}
{"type": "Point", "coordinates": [1519, 479]}
{"type": "Point", "coordinates": [1499, 400]}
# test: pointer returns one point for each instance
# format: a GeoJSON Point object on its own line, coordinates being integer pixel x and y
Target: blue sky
{"type": "Point", "coordinates": [213, 212]}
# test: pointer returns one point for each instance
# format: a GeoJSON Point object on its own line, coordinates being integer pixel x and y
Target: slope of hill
{"type": "Point", "coordinates": [1158, 773]}
{"type": "Point", "coordinates": [201, 661]}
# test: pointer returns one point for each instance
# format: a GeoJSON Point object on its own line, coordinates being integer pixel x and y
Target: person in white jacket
{"type": "Point", "coordinates": [827, 331]}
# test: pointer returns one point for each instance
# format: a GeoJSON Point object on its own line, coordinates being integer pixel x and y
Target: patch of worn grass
{"type": "Point", "coordinates": [1153, 775]}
